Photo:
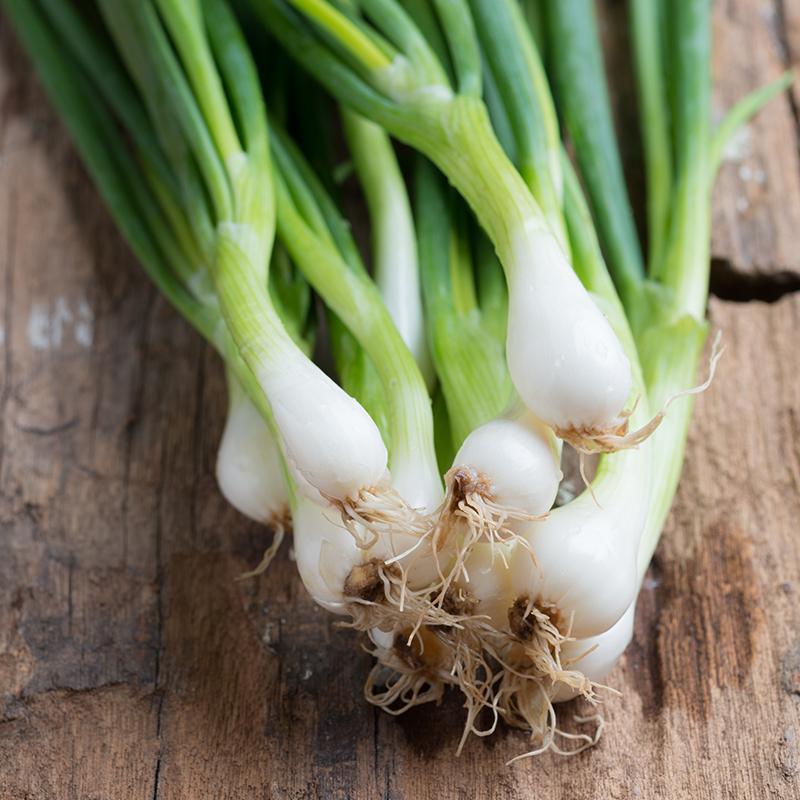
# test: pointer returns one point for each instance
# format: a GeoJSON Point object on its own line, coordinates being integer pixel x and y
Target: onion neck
{"type": "Point", "coordinates": [456, 133]}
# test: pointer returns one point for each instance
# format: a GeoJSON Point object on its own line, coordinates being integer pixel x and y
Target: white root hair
{"type": "Point", "coordinates": [437, 639]}
{"type": "Point", "coordinates": [279, 524]}
{"type": "Point", "coordinates": [617, 436]}
{"type": "Point", "coordinates": [378, 512]}
{"type": "Point", "coordinates": [513, 676]}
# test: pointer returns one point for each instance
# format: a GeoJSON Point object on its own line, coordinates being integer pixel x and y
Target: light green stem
{"type": "Point", "coordinates": [341, 28]}
{"type": "Point", "coordinates": [394, 246]}
{"type": "Point", "coordinates": [457, 136]}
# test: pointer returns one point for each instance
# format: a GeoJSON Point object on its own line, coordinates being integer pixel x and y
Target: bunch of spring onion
{"type": "Point", "coordinates": [508, 317]}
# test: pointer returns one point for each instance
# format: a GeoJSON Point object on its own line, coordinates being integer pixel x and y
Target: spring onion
{"type": "Point", "coordinates": [386, 70]}
{"type": "Point", "coordinates": [494, 325]}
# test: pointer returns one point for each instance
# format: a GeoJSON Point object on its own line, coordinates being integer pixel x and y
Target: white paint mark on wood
{"type": "Point", "coordinates": [39, 327]}
{"type": "Point", "coordinates": [84, 324]}
{"type": "Point", "coordinates": [50, 325]}
{"type": "Point", "coordinates": [61, 316]}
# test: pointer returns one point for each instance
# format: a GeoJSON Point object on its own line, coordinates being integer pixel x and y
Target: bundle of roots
{"type": "Point", "coordinates": [428, 638]}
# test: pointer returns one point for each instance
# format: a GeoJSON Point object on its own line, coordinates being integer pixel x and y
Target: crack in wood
{"type": "Point", "coordinates": [48, 430]}
{"type": "Point", "coordinates": [159, 624]}
{"type": "Point", "coordinates": [729, 283]}
{"type": "Point", "coordinates": [156, 777]}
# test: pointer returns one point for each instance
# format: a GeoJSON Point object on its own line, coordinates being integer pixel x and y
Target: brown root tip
{"type": "Point", "coordinates": [409, 654]}
{"type": "Point", "coordinates": [522, 620]}
{"type": "Point", "coordinates": [365, 580]}
{"type": "Point", "coordinates": [465, 482]}
{"type": "Point", "coordinates": [618, 437]}
{"type": "Point", "coordinates": [424, 650]}
{"type": "Point", "coordinates": [459, 602]}
{"type": "Point", "coordinates": [592, 440]}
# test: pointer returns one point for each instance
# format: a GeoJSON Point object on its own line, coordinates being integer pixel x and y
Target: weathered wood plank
{"type": "Point", "coordinates": [96, 743]}
{"type": "Point", "coordinates": [79, 477]}
{"type": "Point", "coordinates": [134, 665]}
{"type": "Point", "coordinates": [757, 195]}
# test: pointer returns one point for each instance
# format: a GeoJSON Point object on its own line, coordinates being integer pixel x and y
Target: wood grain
{"type": "Point", "coordinates": [134, 665]}
{"type": "Point", "coordinates": [757, 194]}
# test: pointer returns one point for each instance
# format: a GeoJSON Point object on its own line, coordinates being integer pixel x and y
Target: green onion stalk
{"type": "Point", "coordinates": [394, 256]}
{"type": "Point", "coordinates": [306, 218]}
{"type": "Point", "coordinates": [585, 550]}
{"type": "Point", "coordinates": [466, 318]}
{"type": "Point", "coordinates": [581, 90]}
{"type": "Point", "coordinates": [198, 83]}
{"type": "Point", "coordinates": [386, 552]}
{"type": "Point", "coordinates": [671, 340]}
{"type": "Point", "coordinates": [666, 305]}
{"type": "Point", "coordinates": [383, 65]}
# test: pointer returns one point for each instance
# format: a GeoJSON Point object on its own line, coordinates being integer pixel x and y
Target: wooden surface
{"type": "Point", "coordinates": [133, 664]}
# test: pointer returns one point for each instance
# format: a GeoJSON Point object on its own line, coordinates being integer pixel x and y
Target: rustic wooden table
{"type": "Point", "coordinates": [134, 665]}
